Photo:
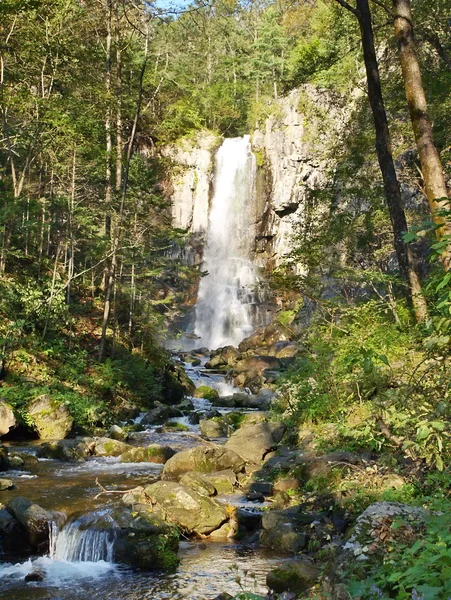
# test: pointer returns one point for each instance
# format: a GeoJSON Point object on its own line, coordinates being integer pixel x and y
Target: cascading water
{"type": "Point", "coordinates": [227, 296]}
{"type": "Point", "coordinates": [81, 541]}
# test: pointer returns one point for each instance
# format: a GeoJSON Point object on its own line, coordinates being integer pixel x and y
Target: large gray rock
{"type": "Point", "coordinates": [294, 576]}
{"type": "Point", "coordinates": [35, 519]}
{"type": "Point", "coordinates": [253, 442]}
{"type": "Point", "coordinates": [75, 450]}
{"type": "Point", "coordinates": [52, 419]}
{"type": "Point", "coordinates": [13, 535]}
{"type": "Point", "coordinates": [214, 428]}
{"type": "Point", "coordinates": [193, 512]}
{"type": "Point", "coordinates": [205, 459]}
{"type": "Point", "coordinates": [7, 418]}
{"type": "Point", "coordinates": [256, 364]}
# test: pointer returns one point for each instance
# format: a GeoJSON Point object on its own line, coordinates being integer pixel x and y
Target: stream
{"type": "Point", "coordinates": [205, 570]}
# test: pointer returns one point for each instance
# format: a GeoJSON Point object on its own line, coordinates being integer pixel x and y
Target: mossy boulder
{"type": "Point", "coordinates": [107, 447]}
{"type": "Point", "coordinates": [214, 428]}
{"type": "Point", "coordinates": [6, 484]}
{"type": "Point", "coordinates": [204, 391]}
{"type": "Point", "coordinates": [51, 418]}
{"type": "Point", "coordinates": [199, 483]}
{"type": "Point", "coordinates": [186, 507]}
{"type": "Point", "coordinates": [145, 540]}
{"type": "Point", "coordinates": [296, 577]}
{"type": "Point", "coordinates": [205, 459]}
{"type": "Point", "coordinates": [153, 453]}
{"type": "Point", "coordinates": [223, 481]}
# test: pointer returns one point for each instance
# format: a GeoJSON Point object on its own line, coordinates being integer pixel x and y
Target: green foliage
{"type": "Point", "coordinates": [412, 569]}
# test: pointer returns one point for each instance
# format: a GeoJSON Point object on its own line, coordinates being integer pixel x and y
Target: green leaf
{"type": "Point", "coordinates": [423, 432]}
{"type": "Point", "coordinates": [438, 425]}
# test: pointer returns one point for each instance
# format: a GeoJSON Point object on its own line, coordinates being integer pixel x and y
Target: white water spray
{"type": "Point", "coordinates": [78, 542]}
{"type": "Point", "coordinates": [227, 296]}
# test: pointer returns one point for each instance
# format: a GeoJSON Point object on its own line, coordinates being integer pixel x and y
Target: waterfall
{"type": "Point", "coordinates": [227, 297]}
{"type": "Point", "coordinates": [80, 541]}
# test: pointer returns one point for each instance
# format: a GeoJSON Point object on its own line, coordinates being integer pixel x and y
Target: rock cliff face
{"type": "Point", "coordinates": [296, 148]}
{"type": "Point", "coordinates": [295, 154]}
{"type": "Point", "coordinates": [192, 161]}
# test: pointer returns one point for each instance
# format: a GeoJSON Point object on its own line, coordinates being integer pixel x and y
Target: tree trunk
{"type": "Point", "coordinates": [385, 157]}
{"type": "Point", "coordinates": [431, 166]}
{"type": "Point", "coordinates": [108, 139]}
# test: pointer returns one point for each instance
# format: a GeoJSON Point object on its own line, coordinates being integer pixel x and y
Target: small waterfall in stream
{"type": "Point", "coordinates": [228, 300]}
{"type": "Point", "coordinates": [80, 541]}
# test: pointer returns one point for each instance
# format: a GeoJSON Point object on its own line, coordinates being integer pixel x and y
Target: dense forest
{"type": "Point", "coordinates": [92, 275]}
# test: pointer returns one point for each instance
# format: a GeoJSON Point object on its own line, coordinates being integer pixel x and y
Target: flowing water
{"type": "Point", "coordinates": [80, 564]}
{"type": "Point", "coordinates": [228, 298]}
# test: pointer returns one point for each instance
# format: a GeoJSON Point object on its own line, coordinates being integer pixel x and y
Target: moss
{"type": "Point", "coordinates": [204, 391]}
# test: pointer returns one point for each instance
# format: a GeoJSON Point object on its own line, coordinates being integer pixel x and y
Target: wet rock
{"type": "Point", "coordinates": [107, 447]}
{"type": "Point", "coordinates": [216, 362]}
{"type": "Point", "coordinates": [199, 483]}
{"type": "Point", "coordinates": [255, 497]}
{"type": "Point", "coordinates": [7, 418]}
{"type": "Point", "coordinates": [285, 538]}
{"type": "Point", "coordinates": [176, 384]}
{"type": "Point", "coordinates": [117, 433]}
{"type": "Point", "coordinates": [223, 596]}
{"type": "Point", "coordinates": [51, 418]}
{"type": "Point", "coordinates": [254, 441]}
{"type": "Point", "coordinates": [248, 520]}
{"type": "Point", "coordinates": [186, 507]}
{"type": "Point", "coordinates": [15, 461]}
{"type": "Point", "coordinates": [4, 461]}
{"type": "Point", "coordinates": [75, 450]}
{"type": "Point", "coordinates": [214, 428]}
{"type": "Point", "coordinates": [223, 481]}
{"type": "Point", "coordinates": [231, 355]}
{"type": "Point", "coordinates": [186, 406]}
{"type": "Point", "coordinates": [152, 453]}
{"type": "Point", "coordinates": [261, 487]}
{"type": "Point", "coordinates": [13, 535]}
{"type": "Point", "coordinates": [28, 459]}
{"type": "Point", "coordinates": [35, 520]}
{"type": "Point", "coordinates": [204, 391]}
{"type": "Point", "coordinates": [205, 459]}
{"type": "Point", "coordinates": [6, 484]}
{"type": "Point", "coordinates": [34, 576]}
{"type": "Point", "coordinates": [143, 539]}
{"type": "Point", "coordinates": [296, 577]}
{"type": "Point", "coordinates": [276, 332]}
{"type": "Point", "coordinates": [157, 416]}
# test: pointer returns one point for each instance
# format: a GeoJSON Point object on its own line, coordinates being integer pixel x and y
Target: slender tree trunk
{"type": "Point", "coordinates": [431, 166]}
{"type": "Point", "coordinates": [52, 291]}
{"type": "Point", "coordinates": [118, 225]}
{"type": "Point", "coordinates": [118, 106]}
{"type": "Point", "coordinates": [108, 137]}
{"type": "Point", "coordinates": [385, 157]}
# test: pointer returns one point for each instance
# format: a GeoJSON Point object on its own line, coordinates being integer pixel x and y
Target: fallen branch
{"type": "Point", "coordinates": [105, 491]}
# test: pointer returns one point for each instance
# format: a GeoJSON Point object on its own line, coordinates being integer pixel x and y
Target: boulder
{"type": "Point", "coordinates": [144, 540]}
{"type": "Point", "coordinates": [153, 453]}
{"type": "Point", "coordinates": [193, 512]}
{"type": "Point", "coordinates": [107, 447]}
{"type": "Point", "coordinates": [230, 354]}
{"type": "Point", "coordinates": [157, 416]}
{"type": "Point", "coordinates": [214, 428]}
{"type": "Point", "coordinates": [13, 535]}
{"type": "Point", "coordinates": [256, 364]}
{"type": "Point", "coordinates": [35, 520]}
{"type": "Point", "coordinates": [4, 460]}
{"type": "Point", "coordinates": [75, 450]}
{"type": "Point", "coordinates": [255, 340]}
{"type": "Point", "coordinates": [253, 442]}
{"type": "Point", "coordinates": [204, 391]}
{"type": "Point", "coordinates": [7, 418]}
{"type": "Point", "coordinates": [205, 459]}
{"type": "Point", "coordinates": [51, 418]}
{"type": "Point", "coordinates": [15, 461]}
{"type": "Point", "coordinates": [284, 350]}
{"type": "Point", "coordinates": [176, 384]}
{"type": "Point", "coordinates": [215, 362]}
{"type": "Point", "coordinates": [198, 482]}
{"type": "Point", "coordinates": [294, 576]}
{"type": "Point", "coordinates": [276, 332]}
{"type": "Point", "coordinates": [6, 484]}
{"type": "Point", "coordinates": [223, 481]}
{"type": "Point", "coordinates": [117, 433]}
